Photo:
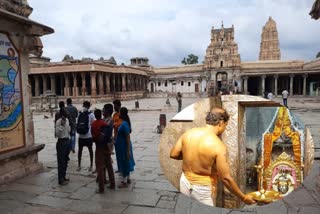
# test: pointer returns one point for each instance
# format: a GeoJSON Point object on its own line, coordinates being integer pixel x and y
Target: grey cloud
{"type": "Point", "coordinates": [166, 31]}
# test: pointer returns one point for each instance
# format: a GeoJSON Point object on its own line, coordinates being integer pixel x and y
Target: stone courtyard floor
{"type": "Point", "coordinates": [150, 192]}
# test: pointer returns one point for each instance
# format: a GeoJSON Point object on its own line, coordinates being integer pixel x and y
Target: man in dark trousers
{"type": "Point", "coordinates": [73, 112]}
{"type": "Point", "coordinates": [62, 132]}
{"type": "Point", "coordinates": [85, 120]}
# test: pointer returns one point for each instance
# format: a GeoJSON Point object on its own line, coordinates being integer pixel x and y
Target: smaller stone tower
{"type": "Point", "coordinates": [269, 46]}
{"type": "Point", "coordinates": [222, 51]}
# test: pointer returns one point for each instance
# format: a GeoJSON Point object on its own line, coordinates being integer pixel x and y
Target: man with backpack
{"type": "Point", "coordinates": [85, 120]}
{"type": "Point", "coordinates": [73, 112]}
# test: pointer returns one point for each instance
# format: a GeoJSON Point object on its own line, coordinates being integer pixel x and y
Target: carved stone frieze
{"type": "Point", "coordinates": [19, 7]}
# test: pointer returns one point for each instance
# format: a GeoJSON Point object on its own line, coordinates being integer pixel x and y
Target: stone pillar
{"type": "Point", "coordinates": [93, 76]}
{"type": "Point", "coordinates": [44, 84]}
{"type": "Point", "coordinates": [36, 86]}
{"type": "Point", "coordinates": [75, 87]}
{"type": "Point", "coordinates": [263, 84]}
{"type": "Point", "coordinates": [291, 84]}
{"type": "Point", "coordinates": [114, 82]}
{"type": "Point", "coordinates": [145, 87]}
{"type": "Point", "coordinates": [107, 80]}
{"type": "Point", "coordinates": [140, 83]}
{"type": "Point", "coordinates": [245, 84]}
{"type": "Point", "coordinates": [130, 82]}
{"type": "Point", "coordinates": [83, 85]}
{"type": "Point", "coordinates": [66, 85]}
{"type": "Point", "coordinates": [53, 83]}
{"type": "Point", "coordinates": [119, 82]}
{"type": "Point", "coordinates": [276, 85]}
{"type": "Point", "coordinates": [62, 85]}
{"type": "Point", "coordinates": [100, 81]}
{"type": "Point", "coordinates": [136, 84]}
{"type": "Point", "coordinates": [304, 90]}
{"type": "Point", "coordinates": [123, 82]}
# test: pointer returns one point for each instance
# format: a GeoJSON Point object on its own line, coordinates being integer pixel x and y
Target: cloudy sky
{"type": "Point", "coordinates": [165, 31]}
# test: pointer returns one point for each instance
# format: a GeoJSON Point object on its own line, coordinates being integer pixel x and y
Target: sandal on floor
{"type": "Point", "coordinates": [123, 185]}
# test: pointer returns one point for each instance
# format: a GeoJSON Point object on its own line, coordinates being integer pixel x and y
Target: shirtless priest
{"type": "Point", "coordinates": [204, 158]}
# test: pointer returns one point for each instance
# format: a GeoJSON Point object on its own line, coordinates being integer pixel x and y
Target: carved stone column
{"type": "Point", "coordinates": [114, 82]}
{"type": "Point", "coordinates": [136, 84]}
{"type": "Point", "coordinates": [62, 85]}
{"type": "Point", "coordinates": [123, 82]}
{"type": "Point", "coordinates": [291, 84]}
{"type": "Point", "coordinates": [119, 82]}
{"type": "Point", "coordinates": [100, 81]}
{"type": "Point", "coordinates": [129, 82]}
{"type": "Point", "coordinates": [93, 76]}
{"type": "Point", "coordinates": [245, 84]}
{"type": "Point", "coordinates": [36, 86]}
{"type": "Point", "coordinates": [44, 83]}
{"type": "Point", "coordinates": [75, 87]}
{"type": "Point", "coordinates": [53, 83]}
{"type": "Point", "coordinates": [276, 85]}
{"type": "Point", "coordinates": [263, 84]}
{"type": "Point", "coordinates": [107, 80]}
{"type": "Point", "coordinates": [83, 85]}
{"type": "Point", "coordinates": [140, 84]}
{"type": "Point", "coordinates": [304, 90]}
{"type": "Point", "coordinates": [66, 85]}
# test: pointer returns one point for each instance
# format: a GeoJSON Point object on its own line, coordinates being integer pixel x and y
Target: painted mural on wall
{"type": "Point", "coordinates": [11, 109]}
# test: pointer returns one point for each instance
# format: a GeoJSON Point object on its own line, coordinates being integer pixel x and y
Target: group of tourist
{"type": "Point", "coordinates": [109, 129]}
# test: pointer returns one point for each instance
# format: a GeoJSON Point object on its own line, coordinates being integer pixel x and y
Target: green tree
{"type": "Point", "coordinates": [318, 55]}
{"type": "Point", "coordinates": [191, 59]}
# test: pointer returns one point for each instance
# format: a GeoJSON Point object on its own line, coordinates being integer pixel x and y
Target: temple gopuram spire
{"type": "Point", "coordinates": [269, 46]}
{"type": "Point", "coordinates": [222, 50]}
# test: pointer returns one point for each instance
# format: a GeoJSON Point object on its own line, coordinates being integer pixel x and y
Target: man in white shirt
{"type": "Point", "coordinates": [62, 132]}
{"type": "Point", "coordinates": [270, 95]}
{"type": "Point", "coordinates": [85, 120]}
{"type": "Point", "coordinates": [285, 95]}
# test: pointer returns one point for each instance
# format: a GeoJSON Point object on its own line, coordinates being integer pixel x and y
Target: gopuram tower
{"type": "Point", "coordinates": [222, 60]}
{"type": "Point", "coordinates": [269, 46]}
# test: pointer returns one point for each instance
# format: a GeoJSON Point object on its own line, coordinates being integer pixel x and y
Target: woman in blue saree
{"type": "Point", "coordinates": [124, 146]}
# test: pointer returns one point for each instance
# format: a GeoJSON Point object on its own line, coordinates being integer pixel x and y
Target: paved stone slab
{"type": "Point", "coordinates": [83, 193]}
{"type": "Point", "coordinates": [132, 198]}
{"type": "Point", "coordinates": [58, 194]}
{"type": "Point", "coordinates": [24, 188]}
{"type": "Point", "coordinates": [155, 185]}
{"type": "Point", "coordinates": [310, 210]}
{"type": "Point", "coordinates": [10, 205]}
{"type": "Point", "coordinates": [17, 196]}
{"type": "Point", "coordinates": [45, 210]}
{"type": "Point", "coordinates": [203, 209]}
{"type": "Point", "coordinates": [276, 207]}
{"type": "Point", "coordinates": [146, 210]}
{"type": "Point", "coordinates": [300, 197]}
{"type": "Point", "coordinates": [51, 201]}
{"type": "Point", "coordinates": [166, 204]}
{"type": "Point", "coordinates": [70, 187]}
{"type": "Point", "coordinates": [97, 207]}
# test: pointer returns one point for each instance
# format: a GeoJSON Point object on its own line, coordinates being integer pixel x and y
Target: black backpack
{"type": "Point", "coordinates": [83, 123]}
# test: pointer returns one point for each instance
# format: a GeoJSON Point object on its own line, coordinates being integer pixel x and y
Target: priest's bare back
{"type": "Point", "coordinates": [205, 159]}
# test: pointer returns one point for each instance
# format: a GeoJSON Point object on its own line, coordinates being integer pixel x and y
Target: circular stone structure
{"type": "Point", "coordinates": [194, 116]}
